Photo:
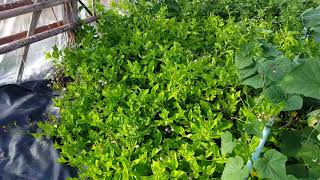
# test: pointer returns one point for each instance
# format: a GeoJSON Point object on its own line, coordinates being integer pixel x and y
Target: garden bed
{"type": "Point", "coordinates": [183, 89]}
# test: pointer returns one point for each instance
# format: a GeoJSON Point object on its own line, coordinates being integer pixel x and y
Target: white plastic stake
{"type": "Point", "coordinates": [257, 152]}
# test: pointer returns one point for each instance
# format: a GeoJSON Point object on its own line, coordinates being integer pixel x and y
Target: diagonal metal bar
{"type": "Point", "coordinates": [86, 8]}
{"type": "Point", "coordinates": [33, 24]}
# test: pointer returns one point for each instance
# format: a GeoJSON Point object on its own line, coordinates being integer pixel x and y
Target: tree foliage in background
{"type": "Point", "coordinates": [158, 91]}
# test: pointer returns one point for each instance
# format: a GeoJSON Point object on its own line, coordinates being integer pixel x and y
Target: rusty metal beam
{"type": "Point", "coordinates": [21, 35]}
{"type": "Point", "coordinates": [40, 36]}
{"type": "Point", "coordinates": [30, 8]}
{"type": "Point", "coordinates": [13, 5]}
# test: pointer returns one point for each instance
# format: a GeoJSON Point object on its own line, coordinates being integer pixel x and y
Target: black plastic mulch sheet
{"type": "Point", "coordinates": [22, 157]}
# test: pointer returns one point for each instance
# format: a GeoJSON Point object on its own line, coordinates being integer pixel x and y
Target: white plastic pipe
{"type": "Point", "coordinates": [258, 150]}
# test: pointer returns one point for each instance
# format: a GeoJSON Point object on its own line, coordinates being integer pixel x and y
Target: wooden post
{"type": "Point", "coordinates": [71, 17]}
{"type": "Point", "coordinates": [94, 7]}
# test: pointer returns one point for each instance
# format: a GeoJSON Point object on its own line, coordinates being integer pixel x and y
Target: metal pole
{"type": "Point", "coordinates": [33, 24]}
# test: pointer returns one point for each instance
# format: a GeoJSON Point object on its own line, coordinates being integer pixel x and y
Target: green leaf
{"type": "Point", "coordinates": [269, 50]}
{"type": "Point", "coordinates": [142, 169]}
{"type": "Point", "coordinates": [290, 142]}
{"type": "Point", "coordinates": [179, 174]}
{"type": "Point", "coordinates": [171, 161]}
{"type": "Point", "coordinates": [158, 167]}
{"type": "Point", "coordinates": [304, 79]}
{"type": "Point", "coordinates": [242, 62]}
{"type": "Point", "coordinates": [314, 113]}
{"type": "Point", "coordinates": [298, 170]}
{"type": "Point", "coordinates": [194, 165]}
{"type": "Point", "coordinates": [310, 153]}
{"type": "Point", "coordinates": [49, 129]}
{"type": "Point", "coordinates": [313, 118]}
{"type": "Point", "coordinates": [290, 177]}
{"type": "Point", "coordinates": [272, 165]}
{"type": "Point", "coordinates": [309, 135]}
{"type": "Point", "coordinates": [275, 94]}
{"type": "Point", "coordinates": [311, 17]}
{"type": "Point", "coordinates": [314, 172]}
{"type": "Point", "coordinates": [280, 2]}
{"type": "Point", "coordinates": [204, 105]}
{"type": "Point", "coordinates": [275, 70]}
{"type": "Point", "coordinates": [294, 102]}
{"type": "Point", "coordinates": [255, 81]}
{"type": "Point", "coordinates": [254, 127]}
{"type": "Point", "coordinates": [227, 143]}
{"type": "Point", "coordinates": [248, 71]}
{"type": "Point", "coordinates": [245, 56]}
{"type": "Point", "coordinates": [234, 169]}
{"type": "Point", "coordinates": [157, 137]}
{"type": "Point", "coordinates": [210, 169]}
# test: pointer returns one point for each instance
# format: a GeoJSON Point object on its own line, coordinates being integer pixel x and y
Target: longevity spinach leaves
{"type": "Point", "coordinates": [155, 92]}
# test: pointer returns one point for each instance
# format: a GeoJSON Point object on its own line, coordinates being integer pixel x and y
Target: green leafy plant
{"type": "Point", "coordinates": [263, 65]}
{"type": "Point", "coordinates": [157, 90]}
{"type": "Point", "coordinates": [280, 79]}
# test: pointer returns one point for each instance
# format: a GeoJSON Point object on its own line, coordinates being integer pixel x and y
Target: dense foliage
{"type": "Point", "coordinates": [179, 89]}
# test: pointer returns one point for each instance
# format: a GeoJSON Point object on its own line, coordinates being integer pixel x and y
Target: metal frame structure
{"type": "Point", "coordinates": [34, 34]}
